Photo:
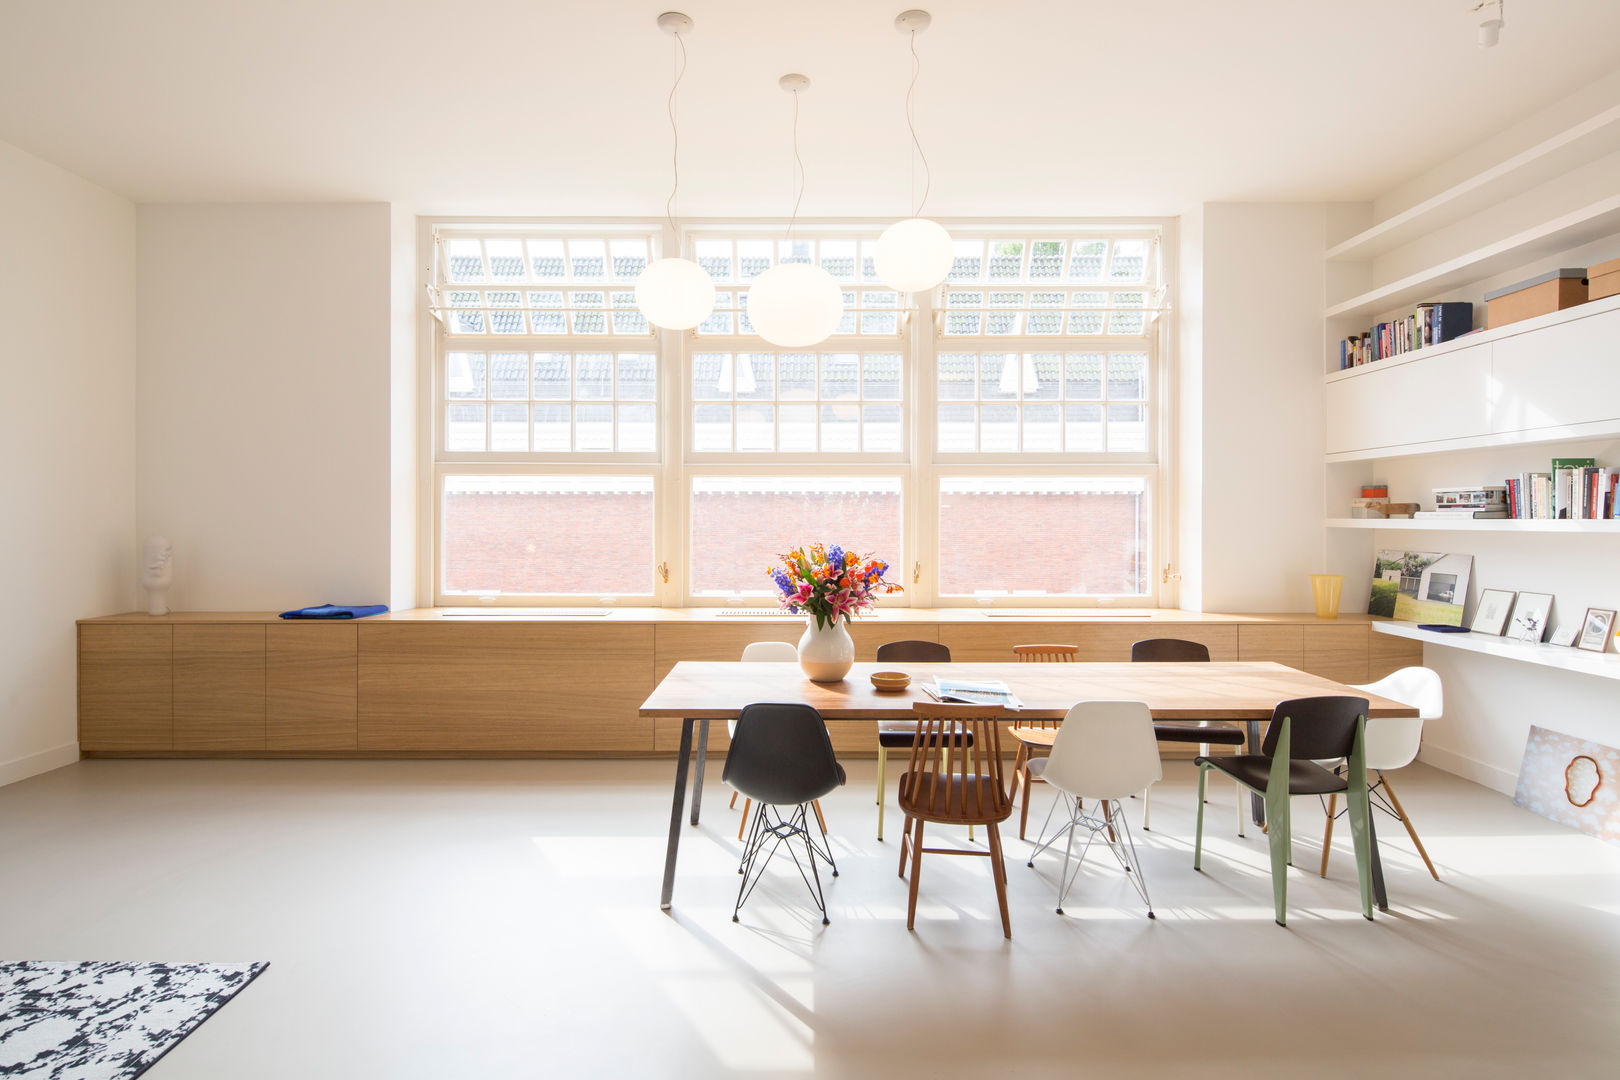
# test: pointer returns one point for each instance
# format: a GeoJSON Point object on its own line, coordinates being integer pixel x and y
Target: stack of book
{"type": "Point", "coordinates": [1429, 324]}
{"type": "Point", "coordinates": [1574, 489]}
{"type": "Point", "coordinates": [1468, 502]}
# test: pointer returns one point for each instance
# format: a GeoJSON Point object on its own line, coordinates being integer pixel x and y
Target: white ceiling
{"type": "Point", "coordinates": [1078, 107]}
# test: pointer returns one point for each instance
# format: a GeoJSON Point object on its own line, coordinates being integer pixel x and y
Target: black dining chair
{"type": "Point", "coordinates": [782, 756]}
{"type": "Point", "coordinates": [1201, 732]}
{"type": "Point", "coordinates": [900, 734]}
{"type": "Point", "coordinates": [1303, 731]}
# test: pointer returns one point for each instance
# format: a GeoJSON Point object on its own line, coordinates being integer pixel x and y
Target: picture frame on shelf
{"type": "Point", "coordinates": [1595, 630]}
{"type": "Point", "coordinates": [1491, 616]}
{"type": "Point", "coordinates": [1529, 619]}
{"type": "Point", "coordinates": [1564, 636]}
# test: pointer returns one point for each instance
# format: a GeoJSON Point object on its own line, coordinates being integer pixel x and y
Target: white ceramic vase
{"type": "Point", "coordinates": [826, 652]}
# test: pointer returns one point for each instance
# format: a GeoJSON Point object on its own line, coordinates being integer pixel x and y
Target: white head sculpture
{"type": "Point", "coordinates": [157, 573]}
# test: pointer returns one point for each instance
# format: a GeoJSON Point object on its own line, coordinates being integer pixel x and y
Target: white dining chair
{"type": "Point", "coordinates": [766, 652]}
{"type": "Point", "coordinates": [1392, 743]}
{"type": "Point", "coordinates": [1104, 751]}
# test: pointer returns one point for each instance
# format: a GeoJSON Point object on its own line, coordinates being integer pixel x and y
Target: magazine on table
{"type": "Point", "coordinates": [973, 692]}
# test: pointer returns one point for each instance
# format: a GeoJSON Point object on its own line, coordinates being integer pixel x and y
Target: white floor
{"type": "Point", "coordinates": [500, 919]}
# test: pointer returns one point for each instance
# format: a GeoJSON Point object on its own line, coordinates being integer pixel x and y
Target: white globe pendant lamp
{"type": "Point", "coordinates": [793, 305]}
{"type": "Point", "coordinates": [675, 294]}
{"type": "Point", "coordinates": [915, 254]}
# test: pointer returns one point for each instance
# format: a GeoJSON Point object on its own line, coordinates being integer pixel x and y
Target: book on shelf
{"type": "Point", "coordinates": [1575, 489]}
{"type": "Point", "coordinates": [1461, 513]}
{"type": "Point", "coordinates": [1429, 324]}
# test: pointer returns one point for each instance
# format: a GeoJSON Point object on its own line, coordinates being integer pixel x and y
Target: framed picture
{"type": "Point", "coordinates": [1595, 630]}
{"type": "Point", "coordinates": [1420, 586]}
{"type": "Point", "coordinates": [1530, 612]}
{"type": "Point", "coordinates": [1492, 614]}
{"type": "Point", "coordinates": [1564, 636]}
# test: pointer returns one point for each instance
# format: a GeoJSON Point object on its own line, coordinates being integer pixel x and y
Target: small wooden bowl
{"type": "Point", "coordinates": [890, 681]}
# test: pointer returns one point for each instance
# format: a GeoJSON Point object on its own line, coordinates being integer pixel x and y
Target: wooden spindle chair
{"type": "Point", "coordinates": [950, 782]}
{"type": "Point", "coordinates": [1035, 737]}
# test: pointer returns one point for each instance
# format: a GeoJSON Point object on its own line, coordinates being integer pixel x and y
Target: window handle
{"type": "Point", "coordinates": [916, 573]}
{"type": "Point", "coordinates": [663, 571]}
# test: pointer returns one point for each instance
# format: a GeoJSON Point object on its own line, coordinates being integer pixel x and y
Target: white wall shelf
{"type": "Point", "coordinates": [1548, 159]}
{"type": "Point", "coordinates": [1602, 665]}
{"type": "Point", "coordinates": [1541, 525]}
{"type": "Point", "coordinates": [1582, 226]}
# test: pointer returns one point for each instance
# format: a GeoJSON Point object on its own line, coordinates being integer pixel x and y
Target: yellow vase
{"type": "Point", "coordinates": [1326, 588]}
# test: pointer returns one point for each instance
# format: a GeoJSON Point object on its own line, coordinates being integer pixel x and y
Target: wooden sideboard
{"type": "Point", "coordinates": [424, 683]}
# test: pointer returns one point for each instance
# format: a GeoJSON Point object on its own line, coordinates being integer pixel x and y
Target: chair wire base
{"type": "Point", "coordinates": [1121, 844]}
{"type": "Point", "coordinates": [769, 827]}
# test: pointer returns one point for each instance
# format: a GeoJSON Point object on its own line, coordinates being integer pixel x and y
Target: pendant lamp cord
{"type": "Point", "coordinates": [798, 170]}
{"type": "Point", "coordinates": [911, 122]}
{"type": "Point", "coordinates": [675, 154]}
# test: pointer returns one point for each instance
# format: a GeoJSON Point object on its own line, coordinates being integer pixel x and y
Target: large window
{"type": "Point", "coordinates": [996, 441]}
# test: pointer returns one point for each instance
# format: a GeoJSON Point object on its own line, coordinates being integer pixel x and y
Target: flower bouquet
{"type": "Point", "coordinates": [830, 583]}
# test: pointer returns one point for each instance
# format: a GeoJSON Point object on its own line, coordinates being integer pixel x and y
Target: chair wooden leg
{"type": "Point", "coordinates": [905, 847]}
{"type": "Point", "coordinates": [1108, 817]}
{"type": "Point", "coordinates": [816, 806]}
{"type": "Point", "coordinates": [1401, 810]}
{"type": "Point", "coordinates": [1000, 874]}
{"type": "Point", "coordinates": [1327, 831]}
{"type": "Point", "coordinates": [743, 824]}
{"type": "Point", "coordinates": [916, 874]}
{"type": "Point", "coordinates": [1023, 813]}
{"type": "Point", "coordinates": [733, 803]}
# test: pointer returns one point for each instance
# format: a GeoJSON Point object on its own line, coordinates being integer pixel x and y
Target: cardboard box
{"type": "Point", "coordinates": [1553, 291]}
{"type": "Point", "coordinates": [1604, 280]}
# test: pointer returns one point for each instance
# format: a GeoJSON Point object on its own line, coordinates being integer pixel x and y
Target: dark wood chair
{"type": "Point", "coordinates": [952, 781]}
{"type": "Point", "coordinates": [899, 734]}
{"type": "Point", "coordinates": [1035, 737]}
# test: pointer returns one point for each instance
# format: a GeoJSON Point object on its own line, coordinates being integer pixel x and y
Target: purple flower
{"type": "Point", "coordinates": [835, 557]}
{"type": "Point", "coordinates": [783, 582]}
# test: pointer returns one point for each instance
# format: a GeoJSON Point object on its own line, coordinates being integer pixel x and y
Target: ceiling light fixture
{"type": "Point", "coordinates": [795, 304]}
{"type": "Point", "coordinates": [1490, 22]}
{"type": "Point", "coordinates": [914, 255]}
{"type": "Point", "coordinates": [675, 294]}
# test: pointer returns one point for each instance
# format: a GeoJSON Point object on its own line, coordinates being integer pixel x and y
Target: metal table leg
{"type": "Point", "coordinates": [702, 760]}
{"type": "Point", "coordinates": [675, 814]}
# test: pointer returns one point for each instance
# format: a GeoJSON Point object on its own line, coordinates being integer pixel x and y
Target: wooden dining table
{"type": "Point", "coordinates": [697, 693]}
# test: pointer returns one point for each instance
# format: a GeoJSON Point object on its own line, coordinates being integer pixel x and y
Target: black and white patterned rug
{"type": "Point", "coordinates": [105, 1020]}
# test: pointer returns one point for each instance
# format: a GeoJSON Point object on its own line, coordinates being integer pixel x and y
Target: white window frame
{"type": "Point", "coordinates": [918, 466]}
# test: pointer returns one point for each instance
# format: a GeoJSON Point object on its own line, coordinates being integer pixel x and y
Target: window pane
{"type": "Point", "coordinates": [1083, 381]}
{"type": "Point", "coordinates": [1082, 428]}
{"type": "Point", "coordinates": [711, 376]}
{"type": "Point", "coordinates": [880, 429]}
{"type": "Point", "coordinates": [1127, 377]}
{"type": "Point", "coordinates": [1042, 430]}
{"type": "Point", "coordinates": [957, 375]}
{"type": "Point", "coordinates": [546, 260]}
{"type": "Point", "coordinates": [1086, 258]}
{"type": "Point", "coordinates": [998, 428]}
{"type": "Point", "coordinates": [755, 376]}
{"type": "Point", "coordinates": [509, 376]}
{"type": "Point", "coordinates": [967, 261]}
{"type": "Point", "coordinates": [593, 377]}
{"type": "Point", "coordinates": [465, 259]}
{"type": "Point", "coordinates": [711, 427]}
{"type": "Point", "coordinates": [505, 260]}
{"type": "Point", "coordinates": [547, 535]}
{"type": "Point", "coordinates": [637, 376]}
{"type": "Point", "coordinates": [638, 429]}
{"type": "Point", "coordinates": [1040, 536]}
{"type": "Point", "coordinates": [552, 431]}
{"type": "Point", "coordinates": [588, 259]}
{"type": "Point", "coordinates": [753, 258]}
{"type": "Point", "coordinates": [840, 428]}
{"type": "Point", "coordinates": [464, 427]}
{"type": "Point", "coordinates": [998, 376]}
{"type": "Point", "coordinates": [551, 376]}
{"type": "Point", "coordinates": [796, 377]}
{"type": "Point", "coordinates": [957, 431]}
{"type": "Point", "coordinates": [715, 257]}
{"type": "Point", "coordinates": [1043, 376]}
{"type": "Point", "coordinates": [880, 377]}
{"type": "Point", "coordinates": [797, 428]}
{"type": "Point", "coordinates": [1130, 260]}
{"type": "Point", "coordinates": [740, 525]}
{"type": "Point", "coordinates": [1127, 428]}
{"type": "Point", "coordinates": [587, 321]}
{"type": "Point", "coordinates": [840, 376]}
{"type": "Point", "coordinates": [756, 430]}
{"type": "Point", "coordinates": [838, 259]}
{"type": "Point", "coordinates": [505, 322]}
{"type": "Point", "coordinates": [464, 375]}
{"type": "Point", "coordinates": [629, 258]}
{"type": "Point", "coordinates": [509, 427]}
{"type": "Point", "coordinates": [593, 427]}
{"type": "Point", "coordinates": [1006, 260]}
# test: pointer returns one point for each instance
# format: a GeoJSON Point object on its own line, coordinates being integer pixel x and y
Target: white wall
{"type": "Point", "coordinates": [67, 434]}
{"type": "Point", "coordinates": [404, 419]}
{"type": "Point", "coordinates": [265, 346]}
{"type": "Point", "coordinates": [1260, 423]}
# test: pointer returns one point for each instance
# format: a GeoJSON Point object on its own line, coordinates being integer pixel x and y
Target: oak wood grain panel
{"type": "Point", "coordinates": [1387, 655]}
{"type": "Point", "coordinates": [1216, 691]}
{"type": "Point", "coordinates": [219, 687]}
{"type": "Point", "coordinates": [992, 641]}
{"type": "Point", "coordinates": [126, 688]}
{"type": "Point", "coordinates": [725, 641]}
{"type": "Point", "coordinates": [1337, 652]}
{"type": "Point", "coordinates": [311, 686]}
{"type": "Point", "coordinates": [1278, 644]}
{"type": "Point", "coordinates": [508, 686]}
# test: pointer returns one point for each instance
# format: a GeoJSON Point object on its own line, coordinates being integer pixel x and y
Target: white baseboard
{"type": "Point", "coordinates": [34, 764]}
{"type": "Point", "coordinates": [1468, 768]}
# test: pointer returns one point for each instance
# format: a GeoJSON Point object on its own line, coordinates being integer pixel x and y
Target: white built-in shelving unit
{"type": "Point", "coordinates": [1494, 403]}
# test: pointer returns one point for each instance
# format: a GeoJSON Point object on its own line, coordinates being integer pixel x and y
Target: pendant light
{"type": "Point", "coordinates": [675, 294]}
{"type": "Point", "coordinates": [914, 255]}
{"type": "Point", "coordinates": [793, 305]}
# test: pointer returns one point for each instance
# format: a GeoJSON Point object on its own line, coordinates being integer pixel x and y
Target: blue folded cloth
{"type": "Point", "coordinates": [335, 611]}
